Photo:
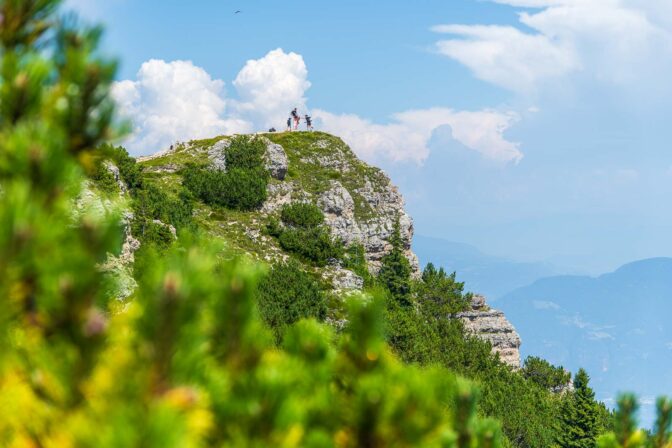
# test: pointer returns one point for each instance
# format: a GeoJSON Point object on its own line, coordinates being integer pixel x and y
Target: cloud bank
{"type": "Point", "coordinates": [611, 40]}
{"type": "Point", "coordinates": [407, 137]}
{"type": "Point", "coordinates": [177, 101]}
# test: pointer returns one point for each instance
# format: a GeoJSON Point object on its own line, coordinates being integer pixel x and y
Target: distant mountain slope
{"type": "Point", "coordinates": [618, 326]}
{"type": "Point", "coordinates": [482, 273]}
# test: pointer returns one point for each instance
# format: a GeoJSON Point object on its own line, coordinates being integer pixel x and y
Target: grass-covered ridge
{"type": "Point", "coordinates": [315, 160]}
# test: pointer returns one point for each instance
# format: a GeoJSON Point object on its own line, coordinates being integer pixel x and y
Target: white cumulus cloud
{"type": "Point", "coordinates": [177, 100]}
{"type": "Point", "coordinates": [271, 86]}
{"type": "Point", "coordinates": [407, 136]}
{"type": "Point", "coordinates": [171, 101]}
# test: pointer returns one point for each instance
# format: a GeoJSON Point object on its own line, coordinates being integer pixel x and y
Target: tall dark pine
{"type": "Point", "coordinates": [395, 272]}
{"type": "Point", "coordinates": [580, 416]}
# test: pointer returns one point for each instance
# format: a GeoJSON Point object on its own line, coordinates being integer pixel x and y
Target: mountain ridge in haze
{"type": "Point", "coordinates": [616, 325]}
{"type": "Point", "coordinates": [482, 273]}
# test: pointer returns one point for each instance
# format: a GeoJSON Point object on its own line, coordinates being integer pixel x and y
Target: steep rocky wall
{"type": "Point", "coordinates": [493, 326]}
{"type": "Point", "coordinates": [374, 190]}
{"type": "Point", "coordinates": [388, 205]}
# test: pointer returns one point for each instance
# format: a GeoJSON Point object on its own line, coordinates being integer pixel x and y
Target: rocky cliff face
{"type": "Point", "coordinates": [376, 193]}
{"type": "Point", "coordinates": [493, 326]}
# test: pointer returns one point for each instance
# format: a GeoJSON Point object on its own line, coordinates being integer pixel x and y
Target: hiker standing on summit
{"type": "Point", "coordinates": [309, 123]}
{"type": "Point", "coordinates": [295, 116]}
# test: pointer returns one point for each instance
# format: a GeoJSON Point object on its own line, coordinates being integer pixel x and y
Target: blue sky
{"type": "Point", "coordinates": [533, 129]}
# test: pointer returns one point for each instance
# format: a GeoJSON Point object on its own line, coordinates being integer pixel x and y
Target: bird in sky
{"type": "Point", "coordinates": [237, 12]}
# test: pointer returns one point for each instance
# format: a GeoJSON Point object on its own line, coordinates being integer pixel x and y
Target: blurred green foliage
{"type": "Point", "coordinates": [288, 294]}
{"type": "Point", "coordinates": [626, 433]}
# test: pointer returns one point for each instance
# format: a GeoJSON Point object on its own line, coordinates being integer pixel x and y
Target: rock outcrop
{"type": "Point", "coordinates": [217, 153]}
{"type": "Point", "coordinates": [276, 160]}
{"type": "Point", "coordinates": [492, 326]}
{"type": "Point", "coordinates": [342, 279]}
{"type": "Point", "coordinates": [340, 200]}
{"type": "Point", "coordinates": [374, 233]}
{"type": "Point", "coordinates": [360, 203]}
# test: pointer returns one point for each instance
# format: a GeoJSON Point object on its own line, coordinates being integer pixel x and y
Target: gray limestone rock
{"type": "Point", "coordinates": [492, 326]}
{"type": "Point", "coordinates": [114, 170]}
{"type": "Point", "coordinates": [344, 279]}
{"type": "Point", "coordinates": [217, 154]}
{"type": "Point", "coordinates": [276, 160]}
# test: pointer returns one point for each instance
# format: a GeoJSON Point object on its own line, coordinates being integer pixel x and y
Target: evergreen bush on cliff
{"type": "Point", "coordinates": [242, 186]}
{"type": "Point", "coordinates": [303, 232]}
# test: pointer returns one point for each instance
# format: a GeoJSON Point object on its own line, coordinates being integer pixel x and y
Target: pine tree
{"type": "Point", "coordinates": [580, 415]}
{"type": "Point", "coordinates": [395, 272]}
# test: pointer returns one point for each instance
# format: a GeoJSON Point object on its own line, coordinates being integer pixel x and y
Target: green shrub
{"type": "Point", "coordinates": [305, 234]}
{"type": "Point", "coordinates": [245, 189]}
{"type": "Point", "coordinates": [301, 214]}
{"type": "Point", "coordinates": [273, 227]}
{"type": "Point", "coordinates": [354, 259]}
{"type": "Point", "coordinates": [151, 203]}
{"type": "Point", "coordinates": [315, 245]}
{"type": "Point", "coordinates": [237, 188]}
{"type": "Point", "coordinates": [129, 170]}
{"type": "Point", "coordinates": [245, 153]}
{"type": "Point", "coordinates": [242, 186]}
{"type": "Point", "coordinates": [288, 294]}
{"type": "Point", "coordinates": [205, 184]}
{"type": "Point", "coordinates": [154, 233]}
{"type": "Point", "coordinates": [104, 179]}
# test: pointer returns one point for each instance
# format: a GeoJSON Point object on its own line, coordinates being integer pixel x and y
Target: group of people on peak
{"type": "Point", "coordinates": [294, 117]}
{"type": "Point", "coordinates": [294, 120]}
